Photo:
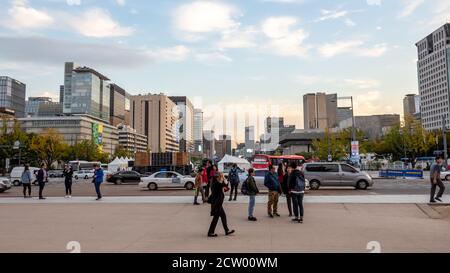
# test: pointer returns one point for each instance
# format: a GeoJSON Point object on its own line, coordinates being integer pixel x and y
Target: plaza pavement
{"type": "Point", "coordinates": [156, 226]}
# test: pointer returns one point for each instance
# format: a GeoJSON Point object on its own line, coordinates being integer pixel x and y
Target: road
{"type": "Point", "coordinates": [55, 188]}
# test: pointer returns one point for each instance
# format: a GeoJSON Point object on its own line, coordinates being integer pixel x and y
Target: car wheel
{"type": "Point", "coordinates": [362, 185]}
{"type": "Point", "coordinates": [118, 181]}
{"type": "Point", "coordinates": [189, 186]}
{"type": "Point", "coordinates": [152, 186]}
{"type": "Point", "coordinates": [86, 177]}
{"type": "Point", "coordinates": [16, 183]}
{"type": "Point", "coordinates": [76, 177]}
{"type": "Point", "coordinates": [314, 185]}
{"type": "Point", "coordinates": [447, 177]}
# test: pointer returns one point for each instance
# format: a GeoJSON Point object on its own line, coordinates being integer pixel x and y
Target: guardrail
{"type": "Point", "coordinates": [401, 173]}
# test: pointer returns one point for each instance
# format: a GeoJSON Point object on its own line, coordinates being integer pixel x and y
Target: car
{"type": "Point", "coordinates": [124, 177]}
{"type": "Point", "coordinates": [167, 179]}
{"type": "Point", "coordinates": [445, 175]}
{"type": "Point", "coordinates": [55, 173]}
{"type": "Point", "coordinates": [83, 174]}
{"type": "Point", "coordinates": [335, 175]}
{"type": "Point", "coordinates": [5, 184]}
{"type": "Point", "coordinates": [16, 175]}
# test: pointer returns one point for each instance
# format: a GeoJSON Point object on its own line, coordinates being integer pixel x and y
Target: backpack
{"type": "Point", "coordinates": [299, 184]}
{"type": "Point", "coordinates": [233, 176]}
{"type": "Point", "coordinates": [244, 188]}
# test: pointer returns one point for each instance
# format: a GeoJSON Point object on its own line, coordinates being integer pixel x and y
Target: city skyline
{"type": "Point", "coordinates": [258, 52]}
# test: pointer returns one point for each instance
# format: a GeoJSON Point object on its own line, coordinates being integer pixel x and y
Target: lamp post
{"type": "Point", "coordinates": [17, 147]}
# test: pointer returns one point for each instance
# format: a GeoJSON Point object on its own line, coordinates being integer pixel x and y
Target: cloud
{"type": "Point", "coordinates": [97, 23]}
{"type": "Point", "coordinates": [73, 2]}
{"type": "Point", "coordinates": [355, 47]}
{"type": "Point", "coordinates": [205, 16]}
{"type": "Point", "coordinates": [210, 58]}
{"type": "Point", "coordinates": [307, 79]}
{"type": "Point", "coordinates": [374, 2]}
{"type": "Point", "coordinates": [284, 40]}
{"type": "Point", "coordinates": [348, 22]}
{"type": "Point", "coordinates": [362, 84]}
{"type": "Point", "coordinates": [331, 14]}
{"type": "Point", "coordinates": [22, 16]}
{"type": "Point", "coordinates": [238, 38]}
{"type": "Point", "coordinates": [285, 1]}
{"type": "Point", "coordinates": [409, 7]}
{"type": "Point", "coordinates": [121, 2]}
{"type": "Point", "coordinates": [46, 51]}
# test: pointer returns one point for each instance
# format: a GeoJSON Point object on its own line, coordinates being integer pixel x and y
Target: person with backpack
{"type": "Point", "coordinates": [297, 191]}
{"type": "Point", "coordinates": [26, 180]}
{"type": "Point", "coordinates": [272, 184]}
{"type": "Point", "coordinates": [249, 188]}
{"type": "Point", "coordinates": [233, 178]}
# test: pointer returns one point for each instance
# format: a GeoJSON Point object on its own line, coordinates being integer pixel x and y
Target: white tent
{"type": "Point", "coordinates": [117, 164]}
{"type": "Point", "coordinates": [228, 160]}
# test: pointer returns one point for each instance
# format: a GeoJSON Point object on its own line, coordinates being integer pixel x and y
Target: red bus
{"type": "Point", "coordinates": [263, 161]}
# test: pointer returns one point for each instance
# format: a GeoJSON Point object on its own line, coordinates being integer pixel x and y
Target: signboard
{"type": "Point", "coordinates": [355, 150]}
{"type": "Point", "coordinates": [97, 135]}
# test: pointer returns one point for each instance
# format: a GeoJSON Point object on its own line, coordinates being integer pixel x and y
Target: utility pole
{"type": "Point", "coordinates": [444, 135]}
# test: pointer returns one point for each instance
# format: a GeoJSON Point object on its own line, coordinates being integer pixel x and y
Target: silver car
{"type": "Point", "coordinates": [335, 175]}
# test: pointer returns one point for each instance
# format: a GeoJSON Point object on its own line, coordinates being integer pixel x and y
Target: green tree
{"type": "Point", "coordinates": [48, 146]}
{"type": "Point", "coordinates": [120, 151]}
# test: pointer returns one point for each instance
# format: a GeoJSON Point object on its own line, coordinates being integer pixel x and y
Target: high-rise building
{"type": "Point", "coordinates": [274, 131]}
{"type": "Point", "coordinates": [223, 146]}
{"type": "Point", "coordinates": [61, 94]}
{"type": "Point", "coordinates": [120, 106]}
{"type": "Point", "coordinates": [209, 139]}
{"type": "Point", "coordinates": [86, 91]}
{"type": "Point", "coordinates": [411, 106]}
{"type": "Point", "coordinates": [320, 111]}
{"type": "Point", "coordinates": [32, 105]}
{"type": "Point", "coordinates": [249, 141]}
{"type": "Point", "coordinates": [154, 116]}
{"type": "Point", "coordinates": [376, 126]}
{"type": "Point", "coordinates": [185, 123]}
{"type": "Point", "coordinates": [12, 97]}
{"type": "Point", "coordinates": [198, 131]}
{"type": "Point", "coordinates": [434, 75]}
{"type": "Point", "coordinates": [344, 117]}
{"type": "Point", "coordinates": [50, 109]}
{"type": "Point", "coordinates": [131, 140]}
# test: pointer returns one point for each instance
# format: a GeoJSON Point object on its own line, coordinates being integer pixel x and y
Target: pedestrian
{"type": "Point", "coordinates": [68, 173]}
{"type": "Point", "coordinates": [98, 180]}
{"type": "Point", "coordinates": [209, 176]}
{"type": "Point", "coordinates": [251, 189]}
{"type": "Point", "coordinates": [199, 187]}
{"type": "Point", "coordinates": [42, 178]}
{"type": "Point", "coordinates": [26, 180]}
{"type": "Point", "coordinates": [272, 184]}
{"type": "Point", "coordinates": [216, 199]}
{"type": "Point", "coordinates": [436, 181]}
{"type": "Point", "coordinates": [233, 178]}
{"type": "Point", "coordinates": [283, 177]}
{"type": "Point", "coordinates": [297, 191]}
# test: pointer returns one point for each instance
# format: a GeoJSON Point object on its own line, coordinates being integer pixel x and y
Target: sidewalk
{"type": "Point", "coordinates": [182, 228]}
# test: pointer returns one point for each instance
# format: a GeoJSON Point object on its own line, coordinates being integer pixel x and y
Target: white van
{"type": "Point", "coordinates": [16, 175]}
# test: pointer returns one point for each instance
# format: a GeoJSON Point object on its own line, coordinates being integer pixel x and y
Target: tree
{"type": "Point", "coordinates": [49, 146]}
{"type": "Point", "coordinates": [122, 152]}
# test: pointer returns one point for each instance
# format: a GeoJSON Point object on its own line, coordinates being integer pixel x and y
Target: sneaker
{"type": "Point", "coordinates": [229, 232]}
{"type": "Point", "coordinates": [70, 196]}
{"type": "Point", "coordinates": [432, 201]}
{"type": "Point", "coordinates": [42, 198]}
{"type": "Point", "coordinates": [98, 199]}
{"type": "Point", "coordinates": [212, 235]}
{"type": "Point", "coordinates": [66, 196]}
{"type": "Point", "coordinates": [252, 219]}
{"type": "Point", "coordinates": [300, 220]}
{"type": "Point", "coordinates": [439, 199]}
{"type": "Point", "coordinates": [295, 220]}
{"type": "Point", "coordinates": [196, 203]}
{"type": "Point", "coordinates": [270, 215]}
{"type": "Point", "coordinates": [276, 214]}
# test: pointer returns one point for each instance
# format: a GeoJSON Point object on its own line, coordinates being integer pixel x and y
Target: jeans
{"type": "Point", "coordinates": [234, 188]}
{"type": "Point", "coordinates": [97, 189]}
{"type": "Point", "coordinates": [41, 188]}
{"type": "Point", "coordinates": [433, 189]}
{"type": "Point", "coordinates": [215, 219]}
{"type": "Point", "coordinates": [68, 184]}
{"type": "Point", "coordinates": [297, 200]}
{"type": "Point", "coordinates": [251, 205]}
{"type": "Point", "coordinates": [272, 205]}
{"type": "Point", "coordinates": [289, 203]}
{"type": "Point", "coordinates": [25, 187]}
{"type": "Point", "coordinates": [197, 191]}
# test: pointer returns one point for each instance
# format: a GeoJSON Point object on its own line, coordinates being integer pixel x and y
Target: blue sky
{"type": "Point", "coordinates": [225, 53]}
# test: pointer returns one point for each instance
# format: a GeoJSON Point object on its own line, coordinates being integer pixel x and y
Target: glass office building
{"type": "Point", "coordinates": [12, 97]}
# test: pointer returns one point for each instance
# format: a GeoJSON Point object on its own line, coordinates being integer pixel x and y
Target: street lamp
{"type": "Point", "coordinates": [16, 146]}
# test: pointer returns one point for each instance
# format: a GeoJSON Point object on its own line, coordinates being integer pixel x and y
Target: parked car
{"type": "Point", "coordinates": [5, 184]}
{"type": "Point", "coordinates": [167, 180]}
{"type": "Point", "coordinates": [16, 175]}
{"type": "Point", "coordinates": [445, 175]}
{"type": "Point", "coordinates": [55, 173]}
{"type": "Point", "coordinates": [83, 174]}
{"type": "Point", "coordinates": [124, 177]}
{"type": "Point", "coordinates": [336, 174]}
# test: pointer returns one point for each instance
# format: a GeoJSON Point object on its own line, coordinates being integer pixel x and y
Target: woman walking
{"type": "Point", "coordinates": [26, 180]}
{"type": "Point", "coordinates": [216, 199]}
{"type": "Point", "coordinates": [68, 173]}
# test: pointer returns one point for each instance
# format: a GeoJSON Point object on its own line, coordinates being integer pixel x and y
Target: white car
{"type": "Point", "coordinates": [84, 174]}
{"type": "Point", "coordinates": [16, 175]}
{"type": "Point", "coordinates": [445, 175]}
{"type": "Point", "coordinates": [167, 180]}
{"type": "Point", "coordinates": [5, 184]}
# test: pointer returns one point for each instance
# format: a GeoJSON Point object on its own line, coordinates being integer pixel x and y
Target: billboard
{"type": "Point", "coordinates": [97, 135]}
{"type": "Point", "coordinates": [355, 150]}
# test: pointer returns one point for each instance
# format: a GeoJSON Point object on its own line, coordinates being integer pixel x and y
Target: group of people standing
{"type": "Point", "coordinates": [42, 179]}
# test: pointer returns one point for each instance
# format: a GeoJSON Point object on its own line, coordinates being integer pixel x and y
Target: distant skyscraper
{"type": "Point", "coordinates": [12, 97]}
{"type": "Point", "coordinates": [209, 140]}
{"type": "Point", "coordinates": [223, 146]}
{"type": "Point", "coordinates": [376, 126]}
{"type": "Point", "coordinates": [320, 111]}
{"type": "Point", "coordinates": [120, 106]}
{"type": "Point", "coordinates": [61, 94]}
{"type": "Point", "coordinates": [411, 106]}
{"type": "Point", "coordinates": [86, 91]}
{"type": "Point", "coordinates": [198, 131]}
{"type": "Point", "coordinates": [434, 75]}
{"type": "Point", "coordinates": [32, 105]}
{"type": "Point", "coordinates": [249, 140]}
{"type": "Point", "coordinates": [185, 123]}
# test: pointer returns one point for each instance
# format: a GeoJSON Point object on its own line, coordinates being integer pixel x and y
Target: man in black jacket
{"type": "Point", "coordinates": [41, 178]}
{"type": "Point", "coordinates": [297, 191]}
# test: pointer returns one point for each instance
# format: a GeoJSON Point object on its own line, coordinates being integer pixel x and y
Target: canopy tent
{"type": "Point", "coordinates": [228, 161]}
{"type": "Point", "coordinates": [117, 164]}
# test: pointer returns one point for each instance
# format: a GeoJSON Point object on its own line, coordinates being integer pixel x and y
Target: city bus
{"type": "Point", "coordinates": [264, 161]}
{"type": "Point", "coordinates": [78, 165]}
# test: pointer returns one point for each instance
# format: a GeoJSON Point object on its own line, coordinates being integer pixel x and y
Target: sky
{"type": "Point", "coordinates": [242, 57]}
